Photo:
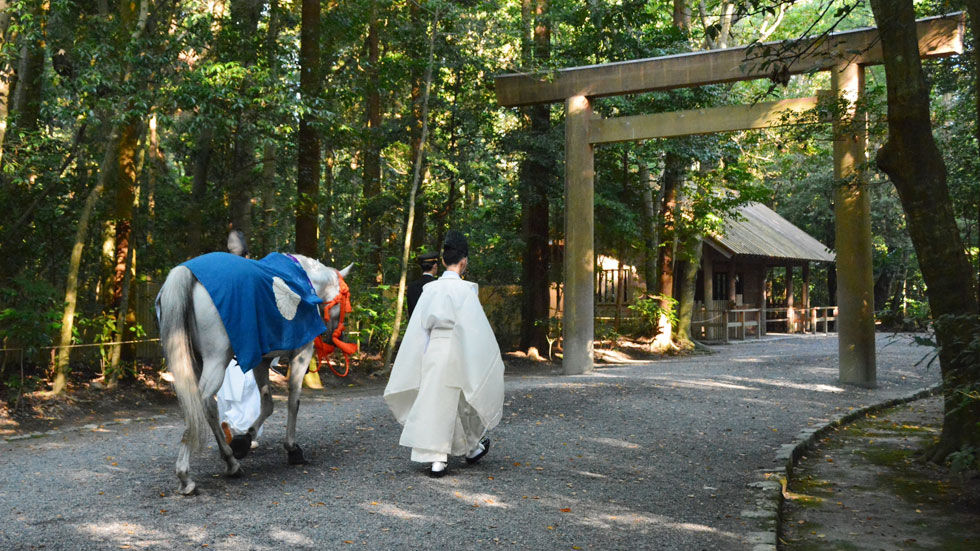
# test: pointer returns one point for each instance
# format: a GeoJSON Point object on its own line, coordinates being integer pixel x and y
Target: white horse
{"type": "Point", "coordinates": [198, 350]}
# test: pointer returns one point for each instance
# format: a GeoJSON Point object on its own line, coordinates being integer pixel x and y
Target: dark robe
{"type": "Point", "coordinates": [415, 291]}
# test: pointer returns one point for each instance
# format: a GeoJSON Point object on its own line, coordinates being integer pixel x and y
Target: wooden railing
{"type": "Point", "coordinates": [743, 323]}
{"type": "Point", "coordinates": [803, 321]}
{"type": "Point", "coordinates": [725, 325]}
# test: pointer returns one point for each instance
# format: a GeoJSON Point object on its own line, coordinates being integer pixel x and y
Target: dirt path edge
{"type": "Point", "coordinates": [768, 490]}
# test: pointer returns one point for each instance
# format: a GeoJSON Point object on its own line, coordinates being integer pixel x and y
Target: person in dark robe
{"type": "Point", "coordinates": [430, 269]}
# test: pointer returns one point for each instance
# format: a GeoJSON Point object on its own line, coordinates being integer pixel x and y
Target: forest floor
{"type": "Point", "coordinates": [863, 488]}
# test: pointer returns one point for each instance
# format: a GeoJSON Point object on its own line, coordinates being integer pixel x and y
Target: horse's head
{"type": "Point", "coordinates": [326, 283]}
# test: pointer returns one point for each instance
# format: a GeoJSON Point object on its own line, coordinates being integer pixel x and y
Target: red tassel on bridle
{"type": "Point", "coordinates": [325, 349]}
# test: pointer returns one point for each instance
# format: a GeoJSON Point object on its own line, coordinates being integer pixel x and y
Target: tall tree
{"type": "Point", "coordinates": [416, 180]}
{"type": "Point", "coordinates": [24, 107]}
{"type": "Point", "coordinates": [536, 173]}
{"type": "Point", "coordinates": [915, 165]}
{"type": "Point", "coordinates": [308, 166]}
{"type": "Point", "coordinates": [245, 15]}
{"type": "Point", "coordinates": [675, 166]}
{"type": "Point", "coordinates": [6, 72]}
{"type": "Point", "coordinates": [973, 9]}
{"type": "Point", "coordinates": [370, 212]}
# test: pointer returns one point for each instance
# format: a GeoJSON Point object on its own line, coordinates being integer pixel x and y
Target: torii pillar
{"type": "Point", "coordinates": [579, 294]}
{"type": "Point", "coordinates": [852, 215]}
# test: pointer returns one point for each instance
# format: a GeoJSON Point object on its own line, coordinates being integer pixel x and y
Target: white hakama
{"type": "Point", "coordinates": [447, 382]}
{"type": "Point", "coordinates": [239, 401]}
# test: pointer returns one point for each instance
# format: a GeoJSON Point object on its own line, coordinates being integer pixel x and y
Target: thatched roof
{"type": "Point", "coordinates": [759, 231]}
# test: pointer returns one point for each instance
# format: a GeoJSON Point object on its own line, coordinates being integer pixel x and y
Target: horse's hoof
{"type": "Point", "coordinates": [294, 456]}
{"type": "Point", "coordinates": [189, 489]}
{"type": "Point", "coordinates": [241, 444]}
{"type": "Point", "coordinates": [235, 472]}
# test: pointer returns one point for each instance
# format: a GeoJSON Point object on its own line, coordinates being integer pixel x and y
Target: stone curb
{"type": "Point", "coordinates": [768, 491]}
{"type": "Point", "coordinates": [90, 427]}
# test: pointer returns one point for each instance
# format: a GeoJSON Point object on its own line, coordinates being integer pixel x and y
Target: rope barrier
{"type": "Point", "coordinates": [58, 347]}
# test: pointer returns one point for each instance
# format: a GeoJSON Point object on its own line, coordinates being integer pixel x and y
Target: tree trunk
{"type": "Point", "coordinates": [245, 15]}
{"type": "Point", "coordinates": [199, 187]}
{"type": "Point", "coordinates": [912, 160]}
{"type": "Point", "coordinates": [536, 172]}
{"type": "Point", "coordinates": [973, 9]}
{"type": "Point", "coordinates": [124, 179]}
{"type": "Point", "coordinates": [24, 107]}
{"type": "Point", "coordinates": [112, 375]}
{"type": "Point", "coordinates": [370, 226]}
{"type": "Point", "coordinates": [308, 166]}
{"type": "Point", "coordinates": [269, 213]}
{"type": "Point", "coordinates": [444, 216]}
{"type": "Point", "coordinates": [674, 167]}
{"type": "Point", "coordinates": [685, 303]}
{"type": "Point", "coordinates": [6, 73]}
{"type": "Point", "coordinates": [416, 178]}
{"type": "Point", "coordinates": [329, 161]}
{"type": "Point", "coordinates": [681, 15]}
{"type": "Point", "coordinates": [651, 234]}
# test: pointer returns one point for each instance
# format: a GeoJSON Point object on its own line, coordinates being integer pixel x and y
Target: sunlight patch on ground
{"type": "Point", "coordinates": [786, 384]}
{"type": "Point", "coordinates": [477, 499]}
{"type": "Point", "coordinates": [290, 537]}
{"type": "Point", "coordinates": [703, 383]}
{"type": "Point", "coordinates": [616, 443]}
{"type": "Point", "coordinates": [591, 475]}
{"type": "Point", "coordinates": [84, 475]}
{"type": "Point", "coordinates": [628, 518]}
{"type": "Point", "coordinates": [125, 533]}
{"type": "Point", "coordinates": [390, 510]}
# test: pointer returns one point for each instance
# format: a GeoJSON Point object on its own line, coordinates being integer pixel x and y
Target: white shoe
{"type": "Point", "coordinates": [437, 469]}
{"type": "Point", "coordinates": [479, 451]}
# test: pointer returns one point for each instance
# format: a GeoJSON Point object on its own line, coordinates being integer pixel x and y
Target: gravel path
{"type": "Point", "coordinates": [642, 456]}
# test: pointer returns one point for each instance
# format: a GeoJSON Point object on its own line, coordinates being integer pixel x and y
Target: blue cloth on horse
{"type": "Point", "coordinates": [265, 305]}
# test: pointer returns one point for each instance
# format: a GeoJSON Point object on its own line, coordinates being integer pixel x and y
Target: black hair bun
{"type": "Point", "coordinates": [455, 247]}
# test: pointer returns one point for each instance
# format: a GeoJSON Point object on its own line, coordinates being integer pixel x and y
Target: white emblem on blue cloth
{"type": "Point", "coordinates": [286, 300]}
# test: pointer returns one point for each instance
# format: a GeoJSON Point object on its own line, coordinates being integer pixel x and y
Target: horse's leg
{"type": "Point", "coordinates": [212, 378]}
{"type": "Point", "coordinates": [183, 466]}
{"type": "Point", "coordinates": [241, 444]}
{"type": "Point", "coordinates": [261, 372]}
{"type": "Point", "coordinates": [297, 369]}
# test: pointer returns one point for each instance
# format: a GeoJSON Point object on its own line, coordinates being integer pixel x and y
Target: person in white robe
{"type": "Point", "coordinates": [239, 402]}
{"type": "Point", "coordinates": [447, 383]}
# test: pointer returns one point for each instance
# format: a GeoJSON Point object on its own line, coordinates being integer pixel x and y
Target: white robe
{"type": "Point", "coordinates": [447, 383]}
{"type": "Point", "coordinates": [239, 401]}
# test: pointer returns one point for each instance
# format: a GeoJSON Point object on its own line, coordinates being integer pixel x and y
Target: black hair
{"type": "Point", "coordinates": [454, 248]}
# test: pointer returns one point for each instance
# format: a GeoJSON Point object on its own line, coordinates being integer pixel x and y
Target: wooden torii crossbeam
{"type": "Point", "coordinates": [938, 36]}
{"type": "Point", "coordinates": [844, 54]}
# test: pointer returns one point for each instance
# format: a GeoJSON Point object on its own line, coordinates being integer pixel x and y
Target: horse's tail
{"type": "Point", "coordinates": [176, 324]}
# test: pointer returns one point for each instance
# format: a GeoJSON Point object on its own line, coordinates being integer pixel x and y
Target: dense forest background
{"type": "Point", "coordinates": [137, 133]}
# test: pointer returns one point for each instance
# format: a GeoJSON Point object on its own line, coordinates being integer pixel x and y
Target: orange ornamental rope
{"type": "Point", "coordinates": [325, 349]}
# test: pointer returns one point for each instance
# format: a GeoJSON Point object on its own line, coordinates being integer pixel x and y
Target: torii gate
{"type": "Point", "coordinates": [845, 54]}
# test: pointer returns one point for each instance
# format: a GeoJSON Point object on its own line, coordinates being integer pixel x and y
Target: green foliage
{"type": "Point", "coordinates": [30, 318]}
{"type": "Point", "coordinates": [650, 311]}
{"type": "Point", "coordinates": [373, 316]}
{"type": "Point", "coordinates": [964, 459]}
